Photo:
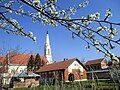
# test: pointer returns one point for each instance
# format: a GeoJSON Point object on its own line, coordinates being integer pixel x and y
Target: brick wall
{"type": "Point", "coordinates": [66, 74]}
{"type": "Point", "coordinates": [78, 75]}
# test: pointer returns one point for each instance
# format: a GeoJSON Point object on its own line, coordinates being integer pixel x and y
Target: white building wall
{"type": "Point", "coordinates": [75, 65]}
{"type": "Point", "coordinates": [12, 70]}
{"type": "Point", "coordinates": [16, 68]}
{"type": "Point", "coordinates": [5, 79]}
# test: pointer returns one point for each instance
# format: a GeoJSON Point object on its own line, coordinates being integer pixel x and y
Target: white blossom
{"type": "Point", "coordinates": [33, 19]}
{"type": "Point", "coordinates": [97, 43]}
{"type": "Point", "coordinates": [34, 39]}
{"type": "Point", "coordinates": [95, 16]}
{"type": "Point", "coordinates": [113, 31]}
{"type": "Point", "coordinates": [63, 12]}
{"type": "Point", "coordinates": [90, 17]}
{"type": "Point", "coordinates": [20, 10]}
{"type": "Point", "coordinates": [113, 57]}
{"type": "Point", "coordinates": [102, 28]}
{"type": "Point", "coordinates": [98, 49]}
{"type": "Point", "coordinates": [80, 5]}
{"type": "Point", "coordinates": [9, 10]}
{"type": "Point", "coordinates": [30, 34]}
{"type": "Point", "coordinates": [85, 21]}
{"type": "Point", "coordinates": [111, 36]}
{"type": "Point", "coordinates": [84, 4]}
{"type": "Point", "coordinates": [72, 10]}
{"type": "Point", "coordinates": [99, 28]}
{"type": "Point", "coordinates": [7, 5]}
{"type": "Point", "coordinates": [36, 2]}
{"type": "Point", "coordinates": [3, 24]}
{"type": "Point", "coordinates": [108, 13]}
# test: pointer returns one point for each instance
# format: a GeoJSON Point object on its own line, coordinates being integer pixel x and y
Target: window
{"type": "Point", "coordinates": [95, 68]}
{"type": "Point", "coordinates": [48, 51]}
{"type": "Point", "coordinates": [98, 67]}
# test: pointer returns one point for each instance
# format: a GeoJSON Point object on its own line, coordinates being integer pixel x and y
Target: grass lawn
{"type": "Point", "coordinates": [84, 85]}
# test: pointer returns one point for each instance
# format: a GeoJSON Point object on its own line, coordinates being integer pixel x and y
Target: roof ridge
{"type": "Point", "coordinates": [56, 66]}
{"type": "Point", "coordinates": [95, 59]}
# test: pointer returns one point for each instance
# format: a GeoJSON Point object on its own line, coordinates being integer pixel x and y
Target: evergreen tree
{"type": "Point", "coordinates": [37, 61]}
{"type": "Point", "coordinates": [31, 63]}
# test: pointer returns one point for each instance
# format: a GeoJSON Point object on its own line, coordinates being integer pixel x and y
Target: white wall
{"type": "Point", "coordinates": [75, 65]}
{"type": "Point", "coordinates": [12, 70]}
{"type": "Point", "coordinates": [16, 68]}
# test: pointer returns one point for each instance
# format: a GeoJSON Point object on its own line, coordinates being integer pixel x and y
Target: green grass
{"type": "Point", "coordinates": [83, 85]}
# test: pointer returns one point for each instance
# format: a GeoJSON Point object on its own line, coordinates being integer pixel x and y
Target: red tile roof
{"type": "Point", "coordinates": [57, 65]}
{"type": "Point", "coordinates": [97, 61]}
{"type": "Point", "coordinates": [19, 59]}
{"type": "Point", "coordinates": [22, 59]}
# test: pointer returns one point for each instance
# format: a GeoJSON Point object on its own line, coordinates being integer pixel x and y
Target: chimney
{"type": "Point", "coordinates": [65, 59]}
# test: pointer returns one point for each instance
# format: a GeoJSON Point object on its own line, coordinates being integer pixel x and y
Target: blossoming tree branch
{"type": "Point", "coordinates": [100, 33]}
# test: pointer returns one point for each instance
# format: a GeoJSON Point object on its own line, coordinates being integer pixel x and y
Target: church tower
{"type": "Point", "coordinates": [47, 52]}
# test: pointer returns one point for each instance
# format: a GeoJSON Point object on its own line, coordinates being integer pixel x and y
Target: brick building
{"type": "Point", "coordinates": [62, 71]}
{"type": "Point", "coordinates": [97, 69]}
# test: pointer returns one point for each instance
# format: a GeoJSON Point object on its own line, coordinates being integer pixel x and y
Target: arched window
{"type": "Point", "coordinates": [71, 77]}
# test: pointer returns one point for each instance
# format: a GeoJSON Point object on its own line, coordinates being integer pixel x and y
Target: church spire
{"type": "Point", "coordinates": [48, 54]}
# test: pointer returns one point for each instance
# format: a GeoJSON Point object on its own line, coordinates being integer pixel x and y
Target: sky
{"type": "Point", "coordinates": [62, 43]}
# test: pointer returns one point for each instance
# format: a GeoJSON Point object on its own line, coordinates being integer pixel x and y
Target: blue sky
{"type": "Point", "coordinates": [62, 44]}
